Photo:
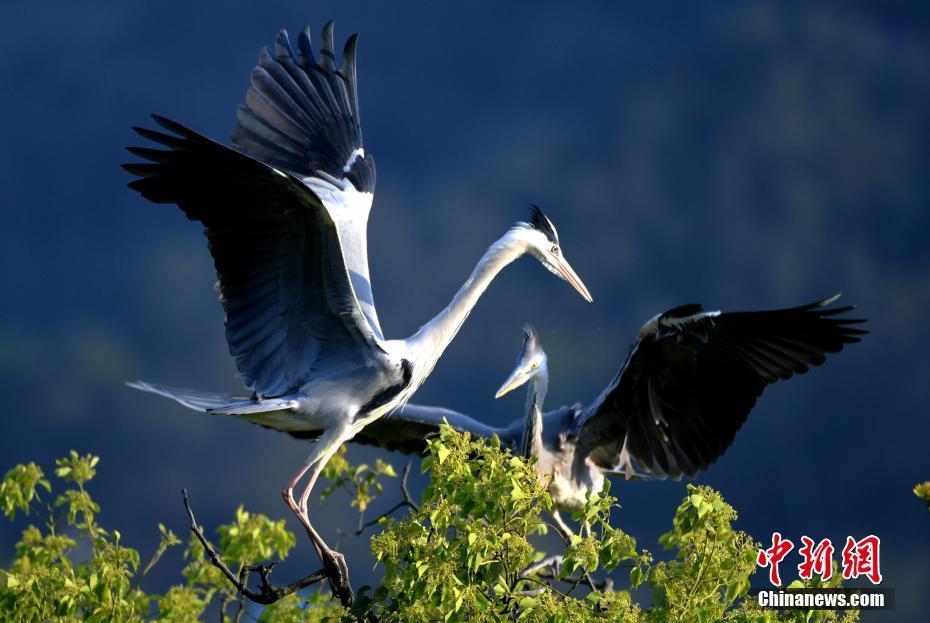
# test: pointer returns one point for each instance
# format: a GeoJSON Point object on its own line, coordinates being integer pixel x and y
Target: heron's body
{"type": "Point", "coordinates": [285, 214]}
{"type": "Point", "coordinates": [689, 382]}
{"type": "Point", "coordinates": [571, 476]}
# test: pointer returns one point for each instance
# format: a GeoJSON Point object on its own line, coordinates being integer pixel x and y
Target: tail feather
{"type": "Point", "coordinates": [191, 398]}
{"type": "Point", "coordinates": [215, 402]}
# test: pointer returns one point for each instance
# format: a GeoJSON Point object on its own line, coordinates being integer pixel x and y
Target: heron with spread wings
{"type": "Point", "coordinates": [687, 386]}
{"type": "Point", "coordinates": [285, 213]}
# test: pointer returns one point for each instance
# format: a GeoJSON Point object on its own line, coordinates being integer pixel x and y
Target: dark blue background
{"type": "Point", "coordinates": [742, 155]}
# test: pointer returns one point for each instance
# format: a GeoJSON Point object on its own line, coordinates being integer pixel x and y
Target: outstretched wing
{"type": "Point", "coordinates": [291, 311]}
{"type": "Point", "coordinates": [406, 428]}
{"type": "Point", "coordinates": [301, 116]}
{"type": "Point", "coordinates": [692, 377]}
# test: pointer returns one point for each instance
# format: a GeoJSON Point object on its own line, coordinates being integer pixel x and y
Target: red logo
{"type": "Point", "coordinates": [817, 560]}
{"type": "Point", "coordinates": [859, 558]}
{"type": "Point", "coordinates": [772, 556]}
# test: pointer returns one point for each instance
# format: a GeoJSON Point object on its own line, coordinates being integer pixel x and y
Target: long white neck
{"type": "Point", "coordinates": [533, 427]}
{"type": "Point", "coordinates": [428, 343]}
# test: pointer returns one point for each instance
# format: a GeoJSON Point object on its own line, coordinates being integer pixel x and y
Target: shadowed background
{"type": "Point", "coordinates": [741, 155]}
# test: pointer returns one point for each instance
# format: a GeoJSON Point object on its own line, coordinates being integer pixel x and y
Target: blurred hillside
{"type": "Point", "coordinates": [741, 155]}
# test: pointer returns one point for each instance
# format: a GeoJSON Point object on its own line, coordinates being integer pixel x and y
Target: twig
{"type": "Point", "coordinates": [703, 568]}
{"type": "Point", "coordinates": [148, 567]}
{"type": "Point", "coordinates": [548, 570]}
{"type": "Point", "coordinates": [240, 609]}
{"type": "Point", "coordinates": [364, 526]}
{"type": "Point", "coordinates": [269, 592]}
{"type": "Point", "coordinates": [558, 530]}
{"type": "Point", "coordinates": [403, 488]}
{"type": "Point", "coordinates": [605, 586]}
{"type": "Point", "coordinates": [577, 581]}
{"type": "Point", "coordinates": [407, 501]}
{"type": "Point", "coordinates": [554, 589]}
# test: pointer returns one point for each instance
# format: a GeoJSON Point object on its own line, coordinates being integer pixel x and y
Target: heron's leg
{"type": "Point", "coordinates": [550, 566]}
{"type": "Point", "coordinates": [586, 527]}
{"type": "Point", "coordinates": [333, 561]}
{"type": "Point", "coordinates": [288, 494]}
{"type": "Point", "coordinates": [564, 531]}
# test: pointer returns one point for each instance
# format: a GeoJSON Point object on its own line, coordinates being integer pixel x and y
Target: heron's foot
{"type": "Point", "coordinates": [337, 571]}
{"type": "Point", "coordinates": [334, 563]}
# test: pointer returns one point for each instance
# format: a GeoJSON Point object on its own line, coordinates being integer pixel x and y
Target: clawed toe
{"type": "Point", "coordinates": [338, 573]}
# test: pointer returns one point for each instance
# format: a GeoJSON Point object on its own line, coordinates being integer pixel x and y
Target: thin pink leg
{"type": "Point", "coordinates": [288, 494]}
{"type": "Point", "coordinates": [333, 561]}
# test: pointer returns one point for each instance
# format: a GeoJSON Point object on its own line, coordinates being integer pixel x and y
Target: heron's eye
{"type": "Point", "coordinates": [535, 365]}
{"type": "Point", "coordinates": [554, 250]}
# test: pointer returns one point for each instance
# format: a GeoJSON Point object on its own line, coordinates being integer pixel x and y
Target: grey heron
{"type": "Point", "coordinates": [688, 384]}
{"type": "Point", "coordinates": [285, 214]}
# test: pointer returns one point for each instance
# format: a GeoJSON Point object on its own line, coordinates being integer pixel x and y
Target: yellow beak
{"type": "Point", "coordinates": [516, 379]}
{"type": "Point", "coordinates": [571, 277]}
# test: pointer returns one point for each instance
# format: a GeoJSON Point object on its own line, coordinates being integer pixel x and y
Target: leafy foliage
{"type": "Point", "coordinates": [465, 554]}
{"type": "Point", "coordinates": [461, 556]}
{"type": "Point", "coordinates": [43, 582]}
{"type": "Point", "coordinates": [359, 481]}
{"type": "Point", "coordinates": [47, 582]}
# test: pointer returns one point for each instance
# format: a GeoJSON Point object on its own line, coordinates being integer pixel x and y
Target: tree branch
{"type": "Point", "coordinates": [403, 488]}
{"type": "Point", "coordinates": [148, 567]}
{"type": "Point", "coordinates": [269, 593]}
{"type": "Point", "coordinates": [548, 569]}
{"type": "Point", "coordinates": [407, 501]}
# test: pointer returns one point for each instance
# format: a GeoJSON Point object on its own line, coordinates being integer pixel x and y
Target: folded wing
{"type": "Point", "coordinates": [692, 377]}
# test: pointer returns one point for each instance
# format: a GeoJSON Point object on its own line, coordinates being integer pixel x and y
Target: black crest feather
{"type": "Point", "coordinates": [541, 222]}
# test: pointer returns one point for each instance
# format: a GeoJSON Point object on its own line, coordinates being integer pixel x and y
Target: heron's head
{"type": "Point", "coordinates": [542, 242]}
{"type": "Point", "coordinates": [531, 363]}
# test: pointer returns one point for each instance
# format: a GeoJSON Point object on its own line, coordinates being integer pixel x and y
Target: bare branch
{"type": "Point", "coordinates": [269, 592]}
{"type": "Point", "coordinates": [406, 502]}
{"type": "Point", "coordinates": [548, 569]}
{"type": "Point", "coordinates": [403, 488]}
{"type": "Point", "coordinates": [364, 526]}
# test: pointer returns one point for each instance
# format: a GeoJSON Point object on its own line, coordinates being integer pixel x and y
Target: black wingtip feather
{"type": "Point", "coordinates": [302, 113]}
{"type": "Point", "coordinates": [827, 301]}
{"type": "Point", "coordinates": [305, 47]}
{"type": "Point", "coordinates": [153, 155]}
{"type": "Point", "coordinates": [683, 311]}
{"type": "Point", "coordinates": [348, 72]}
{"type": "Point", "coordinates": [327, 55]}
{"type": "Point", "coordinates": [159, 137]}
{"type": "Point", "coordinates": [282, 45]}
{"type": "Point", "coordinates": [177, 128]}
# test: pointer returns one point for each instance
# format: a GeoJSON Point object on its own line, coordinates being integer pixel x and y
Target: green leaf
{"type": "Point", "coordinates": [733, 590]}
